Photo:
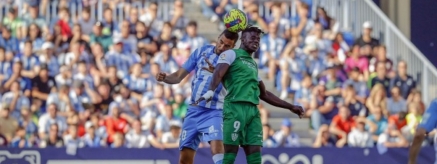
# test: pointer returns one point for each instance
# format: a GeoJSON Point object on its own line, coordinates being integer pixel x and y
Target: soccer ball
{"type": "Point", "coordinates": [235, 20]}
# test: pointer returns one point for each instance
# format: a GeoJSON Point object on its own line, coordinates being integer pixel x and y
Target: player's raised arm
{"type": "Point", "coordinates": [225, 60]}
{"type": "Point", "coordinates": [181, 73]}
{"type": "Point", "coordinates": [276, 101]}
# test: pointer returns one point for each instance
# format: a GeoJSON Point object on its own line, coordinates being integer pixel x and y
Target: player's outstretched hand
{"type": "Point", "coordinates": [207, 96]}
{"type": "Point", "coordinates": [298, 110]}
{"type": "Point", "coordinates": [210, 67]}
{"type": "Point", "coordinates": [160, 76]}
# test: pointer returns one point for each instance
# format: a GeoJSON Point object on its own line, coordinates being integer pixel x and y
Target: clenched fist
{"type": "Point", "coordinates": [160, 76]}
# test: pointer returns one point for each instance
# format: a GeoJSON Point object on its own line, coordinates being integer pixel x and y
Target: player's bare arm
{"type": "Point", "coordinates": [174, 78]}
{"type": "Point", "coordinates": [219, 71]}
{"type": "Point", "coordinates": [416, 145]}
{"type": "Point", "coordinates": [276, 101]}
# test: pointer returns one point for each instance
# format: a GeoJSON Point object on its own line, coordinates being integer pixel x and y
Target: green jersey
{"type": "Point", "coordinates": [241, 80]}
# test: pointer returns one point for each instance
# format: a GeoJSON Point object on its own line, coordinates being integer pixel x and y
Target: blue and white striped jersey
{"type": "Point", "coordinates": [202, 78]}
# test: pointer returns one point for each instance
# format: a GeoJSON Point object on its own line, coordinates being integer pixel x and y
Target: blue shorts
{"type": "Point", "coordinates": [429, 119]}
{"type": "Point", "coordinates": [199, 124]}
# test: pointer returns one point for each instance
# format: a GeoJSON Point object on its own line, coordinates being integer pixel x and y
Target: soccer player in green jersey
{"type": "Point", "coordinates": [238, 72]}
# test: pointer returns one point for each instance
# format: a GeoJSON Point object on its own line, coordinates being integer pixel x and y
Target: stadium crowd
{"type": "Point", "coordinates": [87, 82]}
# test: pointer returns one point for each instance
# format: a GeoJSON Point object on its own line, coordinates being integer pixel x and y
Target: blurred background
{"type": "Point", "coordinates": [80, 73]}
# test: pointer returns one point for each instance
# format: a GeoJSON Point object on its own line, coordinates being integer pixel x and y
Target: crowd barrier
{"type": "Point", "coordinates": [203, 156]}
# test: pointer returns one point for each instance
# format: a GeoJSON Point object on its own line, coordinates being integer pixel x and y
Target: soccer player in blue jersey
{"type": "Point", "coordinates": [429, 123]}
{"type": "Point", "coordinates": [204, 119]}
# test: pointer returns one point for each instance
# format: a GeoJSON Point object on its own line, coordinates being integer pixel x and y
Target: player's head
{"type": "Point", "coordinates": [226, 41]}
{"type": "Point", "coordinates": [250, 38]}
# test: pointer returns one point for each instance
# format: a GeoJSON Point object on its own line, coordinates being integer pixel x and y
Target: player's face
{"type": "Point", "coordinates": [251, 41]}
{"type": "Point", "coordinates": [224, 44]}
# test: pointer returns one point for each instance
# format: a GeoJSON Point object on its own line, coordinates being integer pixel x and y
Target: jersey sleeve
{"type": "Point", "coordinates": [227, 57]}
{"type": "Point", "coordinates": [190, 64]}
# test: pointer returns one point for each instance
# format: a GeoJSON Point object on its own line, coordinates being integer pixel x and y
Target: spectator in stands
{"type": "Point", "coordinates": [33, 17]}
{"type": "Point", "coordinates": [119, 141]}
{"type": "Point", "coordinates": [165, 60]}
{"type": "Point", "coordinates": [398, 120]}
{"type": "Point", "coordinates": [377, 99]}
{"type": "Point", "coordinates": [72, 138]}
{"type": "Point", "coordinates": [366, 37]}
{"type": "Point", "coordinates": [324, 19]}
{"type": "Point", "coordinates": [33, 35]}
{"type": "Point", "coordinates": [146, 43]}
{"type": "Point", "coordinates": [416, 97]}
{"type": "Point", "coordinates": [322, 108]}
{"type": "Point", "coordinates": [268, 140]}
{"type": "Point", "coordinates": [414, 117]}
{"type": "Point", "coordinates": [99, 36]}
{"type": "Point", "coordinates": [315, 36]}
{"type": "Point", "coordinates": [314, 62]}
{"type": "Point", "coordinates": [115, 124]}
{"type": "Point", "coordinates": [377, 123]}
{"type": "Point", "coordinates": [192, 37]}
{"type": "Point", "coordinates": [16, 100]}
{"type": "Point", "coordinates": [355, 60]}
{"type": "Point", "coordinates": [332, 83]}
{"type": "Point", "coordinates": [277, 17]}
{"type": "Point", "coordinates": [15, 23]}
{"type": "Point", "coordinates": [270, 50]}
{"type": "Point", "coordinates": [126, 38]}
{"type": "Point", "coordinates": [289, 70]}
{"type": "Point", "coordinates": [9, 41]}
{"type": "Point", "coordinates": [31, 65]}
{"type": "Point", "coordinates": [381, 78]}
{"type": "Point", "coordinates": [342, 125]}
{"type": "Point", "coordinates": [254, 17]}
{"type": "Point", "coordinates": [9, 125]}
{"type": "Point", "coordinates": [177, 18]}
{"type": "Point", "coordinates": [164, 120]}
{"type": "Point", "coordinates": [303, 94]}
{"type": "Point", "coordinates": [137, 138]}
{"type": "Point", "coordinates": [301, 24]}
{"type": "Point", "coordinates": [64, 23]}
{"type": "Point", "coordinates": [380, 56]}
{"type": "Point", "coordinates": [323, 138]}
{"type": "Point", "coordinates": [359, 86]}
{"type": "Point", "coordinates": [53, 139]}
{"type": "Point", "coordinates": [392, 138]}
{"type": "Point", "coordinates": [396, 103]}
{"type": "Point", "coordinates": [49, 118]}
{"type": "Point", "coordinates": [350, 100]}
{"type": "Point", "coordinates": [171, 139]}
{"type": "Point", "coordinates": [151, 18]}
{"type": "Point", "coordinates": [286, 137]}
{"type": "Point", "coordinates": [85, 21]}
{"type": "Point", "coordinates": [359, 136]}
{"type": "Point", "coordinates": [20, 140]}
{"type": "Point", "coordinates": [28, 122]}
{"type": "Point", "coordinates": [340, 48]}
{"type": "Point", "coordinates": [42, 85]}
{"type": "Point", "coordinates": [179, 105]}
{"type": "Point", "coordinates": [91, 139]}
{"type": "Point", "coordinates": [405, 82]}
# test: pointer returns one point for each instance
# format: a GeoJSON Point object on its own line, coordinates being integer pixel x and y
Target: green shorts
{"type": "Point", "coordinates": [242, 124]}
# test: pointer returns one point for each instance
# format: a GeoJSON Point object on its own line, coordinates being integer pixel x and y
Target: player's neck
{"type": "Point", "coordinates": [246, 49]}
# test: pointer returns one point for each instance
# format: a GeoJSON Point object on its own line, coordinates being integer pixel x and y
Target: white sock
{"type": "Point", "coordinates": [283, 95]}
{"type": "Point", "coordinates": [218, 157]}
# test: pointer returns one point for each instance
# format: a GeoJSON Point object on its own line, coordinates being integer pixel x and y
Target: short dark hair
{"type": "Point", "coordinates": [192, 23]}
{"type": "Point", "coordinates": [230, 35]}
{"type": "Point", "coordinates": [253, 29]}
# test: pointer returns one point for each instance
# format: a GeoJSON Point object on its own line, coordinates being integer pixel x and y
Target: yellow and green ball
{"type": "Point", "coordinates": [235, 20]}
